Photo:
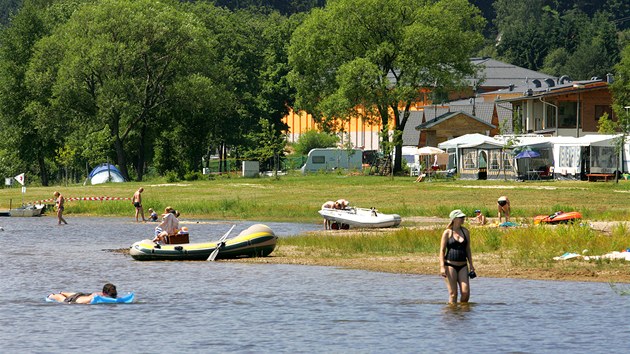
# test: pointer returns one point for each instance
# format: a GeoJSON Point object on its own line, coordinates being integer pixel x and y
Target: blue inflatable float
{"type": "Point", "coordinates": [97, 299]}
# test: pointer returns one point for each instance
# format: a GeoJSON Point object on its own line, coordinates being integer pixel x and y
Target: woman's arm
{"type": "Point", "coordinates": [443, 252]}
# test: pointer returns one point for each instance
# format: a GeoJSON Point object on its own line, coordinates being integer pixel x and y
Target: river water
{"type": "Point", "coordinates": [251, 308]}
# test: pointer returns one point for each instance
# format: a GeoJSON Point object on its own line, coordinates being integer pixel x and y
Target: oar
{"type": "Point", "coordinates": [220, 244]}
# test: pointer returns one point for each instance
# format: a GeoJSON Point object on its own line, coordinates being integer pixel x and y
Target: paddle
{"type": "Point", "coordinates": [220, 244]}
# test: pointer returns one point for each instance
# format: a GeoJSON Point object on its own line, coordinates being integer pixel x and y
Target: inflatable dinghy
{"type": "Point", "coordinates": [256, 241]}
{"type": "Point", "coordinates": [559, 217]}
{"type": "Point", "coordinates": [359, 218]}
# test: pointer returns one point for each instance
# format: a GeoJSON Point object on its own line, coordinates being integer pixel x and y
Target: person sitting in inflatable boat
{"type": "Point", "coordinates": [109, 290]}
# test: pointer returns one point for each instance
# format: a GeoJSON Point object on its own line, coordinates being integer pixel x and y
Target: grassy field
{"type": "Point", "coordinates": [516, 252]}
{"type": "Point", "coordinates": [297, 198]}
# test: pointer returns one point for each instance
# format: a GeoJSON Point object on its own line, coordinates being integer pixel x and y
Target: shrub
{"type": "Point", "coordinates": [313, 139]}
{"type": "Point", "coordinates": [171, 176]}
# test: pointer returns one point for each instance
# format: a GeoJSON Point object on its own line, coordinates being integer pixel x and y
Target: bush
{"type": "Point", "coordinates": [193, 176]}
{"type": "Point", "coordinates": [313, 139]}
{"type": "Point", "coordinates": [171, 176]}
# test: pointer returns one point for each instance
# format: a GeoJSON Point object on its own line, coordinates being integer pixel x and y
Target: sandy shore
{"type": "Point", "coordinates": [487, 265]}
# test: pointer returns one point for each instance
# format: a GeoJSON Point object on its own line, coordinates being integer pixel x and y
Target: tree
{"type": "Point", "coordinates": [113, 63]}
{"type": "Point", "coordinates": [621, 98]}
{"type": "Point", "coordinates": [370, 58]}
{"type": "Point", "coordinates": [527, 30]}
{"type": "Point", "coordinates": [314, 139]}
{"type": "Point", "coordinates": [253, 65]}
{"type": "Point", "coordinates": [29, 130]}
{"type": "Point", "coordinates": [269, 145]}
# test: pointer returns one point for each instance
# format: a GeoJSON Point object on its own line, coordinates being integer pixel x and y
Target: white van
{"type": "Point", "coordinates": [332, 159]}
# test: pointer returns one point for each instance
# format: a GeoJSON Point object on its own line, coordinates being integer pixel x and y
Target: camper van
{"type": "Point", "coordinates": [332, 159]}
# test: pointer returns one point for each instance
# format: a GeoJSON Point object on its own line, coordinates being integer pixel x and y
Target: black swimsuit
{"type": "Point", "coordinates": [74, 297]}
{"type": "Point", "coordinates": [456, 252]}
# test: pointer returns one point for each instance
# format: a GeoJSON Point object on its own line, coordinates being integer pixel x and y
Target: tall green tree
{"type": "Point", "coordinates": [113, 63]}
{"type": "Point", "coordinates": [369, 58]}
{"type": "Point", "coordinates": [29, 131]}
{"type": "Point", "coordinates": [526, 31]}
{"type": "Point", "coordinates": [621, 98]}
{"type": "Point", "coordinates": [253, 68]}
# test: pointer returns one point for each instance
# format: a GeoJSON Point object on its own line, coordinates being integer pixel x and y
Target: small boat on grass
{"type": "Point", "coordinates": [559, 217]}
{"type": "Point", "coordinates": [27, 210]}
{"type": "Point", "coordinates": [359, 218]}
{"type": "Point", "coordinates": [256, 241]}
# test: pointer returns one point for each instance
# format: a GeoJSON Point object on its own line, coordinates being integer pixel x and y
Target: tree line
{"type": "Point", "coordinates": [157, 87]}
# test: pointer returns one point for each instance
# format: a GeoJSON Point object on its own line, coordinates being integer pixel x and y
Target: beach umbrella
{"type": "Point", "coordinates": [429, 150]}
{"type": "Point", "coordinates": [527, 154]}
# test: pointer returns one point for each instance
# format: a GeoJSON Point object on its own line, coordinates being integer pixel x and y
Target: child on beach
{"type": "Point", "coordinates": [479, 218]}
{"type": "Point", "coordinates": [153, 216]}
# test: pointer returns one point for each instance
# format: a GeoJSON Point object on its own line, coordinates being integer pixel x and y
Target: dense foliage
{"type": "Point", "coordinates": [157, 87]}
{"type": "Point", "coordinates": [314, 139]}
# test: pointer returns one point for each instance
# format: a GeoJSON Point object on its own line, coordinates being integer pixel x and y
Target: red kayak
{"type": "Point", "coordinates": [559, 217]}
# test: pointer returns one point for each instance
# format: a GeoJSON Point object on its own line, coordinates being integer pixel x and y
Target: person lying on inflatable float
{"type": "Point", "coordinates": [109, 294]}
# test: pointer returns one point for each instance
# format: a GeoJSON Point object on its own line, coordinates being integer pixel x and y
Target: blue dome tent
{"type": "Point", "coordinates": [105, 172]}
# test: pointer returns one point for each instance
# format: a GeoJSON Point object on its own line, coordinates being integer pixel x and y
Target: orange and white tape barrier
{"type": "Point", "coordinates": [69, 199]}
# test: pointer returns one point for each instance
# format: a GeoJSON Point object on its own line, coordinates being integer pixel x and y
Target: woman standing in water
{"type": "Point", "coordinates": [455, 258]}
{"type": "Point", "coordinates": [59, 202]}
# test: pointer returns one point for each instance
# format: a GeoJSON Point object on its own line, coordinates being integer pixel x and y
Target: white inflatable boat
{"type": "Point", "coordinates": [359, 218]}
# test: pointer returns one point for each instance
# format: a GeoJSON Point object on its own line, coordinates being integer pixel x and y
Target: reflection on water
{"type": "Point", "coordinates": [235, 307]}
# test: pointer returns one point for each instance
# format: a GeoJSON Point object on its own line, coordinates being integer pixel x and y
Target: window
{"type": "Point", "coordinates": [495, 158]}
{"type": "Point", "coordinates": [569, 156]}
{"type": "Point", "coordinates": [470, 158]}
{"type": "Point", "coordinates": [319, 159]}
{"type": "Point", "coordinates": [550, 120]}
{"type": "Point", "coordinates": [507, 161]}
{"type": "Point", "coordinates": [567, 114]}
{"type": "Point", "coordinates": [600, 110]}
{"type": "Point", "coordinates": [603, 157]}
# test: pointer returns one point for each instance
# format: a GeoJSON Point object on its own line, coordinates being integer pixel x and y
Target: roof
{"type": "Point", "coordinates": [470, 140]}
{"type": "Point", "coordinates": [545, 141]}
{"type": "Point", "coordinates": [483, 111]}
{"type": "Point", "coordinates": [494, 73]}
{"type": "Point", "coordinates": [559, 89]}
{"type": "Point", "coordinates": [446, 116]}
{"type": "Point", "coordinates": [410, 136]}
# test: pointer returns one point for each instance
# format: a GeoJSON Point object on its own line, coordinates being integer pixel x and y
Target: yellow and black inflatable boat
{"type": "Point", "coordinates": [256, 241]}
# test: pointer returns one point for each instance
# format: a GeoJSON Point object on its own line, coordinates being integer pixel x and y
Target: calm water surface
{"type": "Point", "coordinates": [250, 308]}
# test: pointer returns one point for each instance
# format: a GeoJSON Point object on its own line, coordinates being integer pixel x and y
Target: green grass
{"type": "Point", "coordinates": [297, 198]}
{"type": "Point", "coordinates": [523, 247]}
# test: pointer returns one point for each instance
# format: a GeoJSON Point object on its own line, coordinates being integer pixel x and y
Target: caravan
{"type": "Point", "coordinates": [332, 159]}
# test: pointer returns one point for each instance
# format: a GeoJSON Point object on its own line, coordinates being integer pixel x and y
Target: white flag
{"type": "Point", "coordinates": [20, 178]}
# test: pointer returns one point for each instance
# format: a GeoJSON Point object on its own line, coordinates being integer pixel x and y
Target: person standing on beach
{"type": "Point", "coordinates": [328, 205]}
{"type": "Point", "coordinates": [503, 204]}
{"type": "Point", "coordinates": [137, 203]}
{"type": "Point", "coordinates": [455, 258]}
{"type": "Point", "coordinates": [59, 203]}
